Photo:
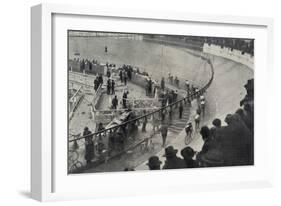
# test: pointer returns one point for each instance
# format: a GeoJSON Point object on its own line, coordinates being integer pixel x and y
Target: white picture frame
{"type": "Point", "coordinates": [46, 182]}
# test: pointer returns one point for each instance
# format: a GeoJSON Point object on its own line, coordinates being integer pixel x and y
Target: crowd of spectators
{"type": "Point", "coordinates": [229, 145]}
{"type": "Point", "coordinates": [244, 45]}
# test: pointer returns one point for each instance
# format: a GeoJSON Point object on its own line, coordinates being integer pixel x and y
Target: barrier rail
{"type": "Point", "coordinates": [74, 102]}
{"type": "Point", "coordinates": [228, 53]}
{"type": "Point", "coordinates": [96, 97]}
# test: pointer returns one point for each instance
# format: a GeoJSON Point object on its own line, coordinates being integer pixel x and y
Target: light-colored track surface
{"type": "Point", "coordinates": [224, 94]}
{"type": "Point", "coordinates": [156, 59]}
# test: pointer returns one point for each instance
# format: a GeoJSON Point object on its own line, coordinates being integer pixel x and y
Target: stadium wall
{"type": "Point", "coordinates": [234, 55]}
{"type": "Point", "coordinates": [191, 44]}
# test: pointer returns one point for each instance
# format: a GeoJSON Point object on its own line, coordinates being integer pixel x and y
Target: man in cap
{"type": "Point", "coordinates": [172, 161]}
{"type": "Point", "coordinates": [154, 163]}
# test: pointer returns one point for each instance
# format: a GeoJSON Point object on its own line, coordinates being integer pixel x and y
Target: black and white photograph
{"type": "Point", "coordinates": [141, 102]}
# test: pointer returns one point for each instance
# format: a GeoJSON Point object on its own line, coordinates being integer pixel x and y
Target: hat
{"type": "Point", "coordinates": [86, 128]}
{"type": "Point", "coordinates": [187, 153]}
{"type": "Point", "coordinates": [154, 161]}
{"type": "Point", "coordinates": [217, 122]}
{"type": "Point", "coordinates": [170, 151]}
{"type": "Point", "coordinates": [213, 157]}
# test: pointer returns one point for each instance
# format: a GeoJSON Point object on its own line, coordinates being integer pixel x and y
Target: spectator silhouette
{"type": "Point", "coordinates": [188, 153]}
{"type": "Point", "coordinates": [154, 163]}
{"type": "Point", "coordinates": [172, 161]}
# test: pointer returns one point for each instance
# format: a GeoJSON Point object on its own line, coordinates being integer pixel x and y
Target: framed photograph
{"type": "Point", "coordinates": [137, 102]}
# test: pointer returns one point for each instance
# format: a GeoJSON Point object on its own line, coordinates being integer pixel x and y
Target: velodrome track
{"type": "Point", "coordinates": [224, 94]}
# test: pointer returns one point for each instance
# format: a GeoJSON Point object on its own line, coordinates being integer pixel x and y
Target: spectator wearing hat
{"type": "Point", "coordinates": [89, 150]}
{"type": "Point", "coordinates": [108, 72]}
{"type": "Point", "coordinates": [154, 163]}
{"type": "Point", "coordinates": [217, 123]}
{"type": "Point", "coordinates": [172, 161]}
{"type": "Point", "coordinates": [188, 153]}
{"type": "Point", "coordinates": [228, 119]}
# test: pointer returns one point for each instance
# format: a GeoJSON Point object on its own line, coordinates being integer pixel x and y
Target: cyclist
{"type": "Point", "coordinates": [189, 132]}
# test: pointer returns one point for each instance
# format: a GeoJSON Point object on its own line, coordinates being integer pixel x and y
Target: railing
{"type": "Point", "coordinates": [189, 97]}
{"type": "Point", "coordinates": [96, 97]}
{"type": "Point", "coordinates": [75, 102]}
{"type": "Point", "coordinates": [229, 53]}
